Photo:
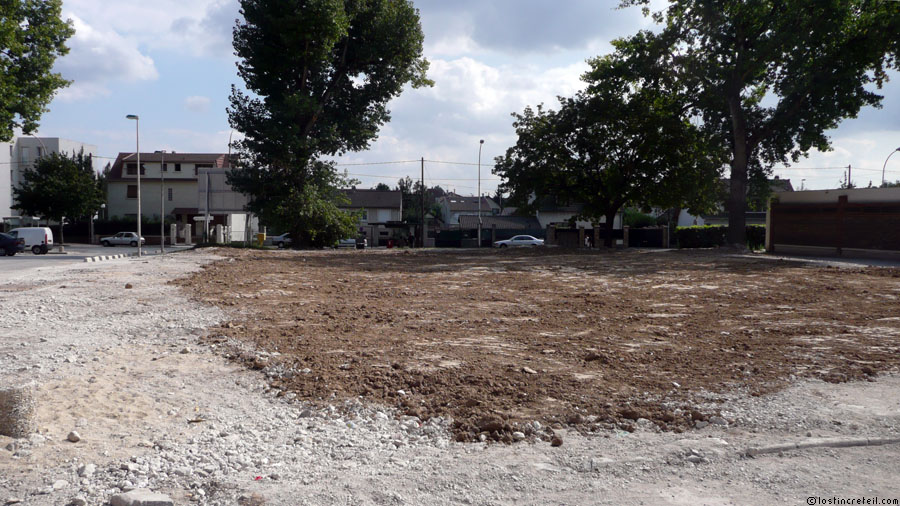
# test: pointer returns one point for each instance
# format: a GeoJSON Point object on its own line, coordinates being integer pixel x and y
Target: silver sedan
{"type": "Point", "coordinates": [519, 240]}
{"type": "Point", "coordinates": [122, 238]}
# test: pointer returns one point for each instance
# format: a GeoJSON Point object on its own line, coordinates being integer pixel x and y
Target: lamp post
{"type": "Point", "coordinates": [885, 165]}
{"type": "Point", "coordinates": [480, 145]}
{"type": "Point", "coordinates": [162, 202]}
{"type": "Point", "coordinates": [137, 142]}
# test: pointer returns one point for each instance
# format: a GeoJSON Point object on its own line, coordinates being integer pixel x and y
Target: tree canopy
{"type": "Point", "coordinates": [60, 187]}
{"type": "Point", "coordinates": [32, 36]}
{"type": "Point", "coordinates": [319, 75]}
{"type": "Point", "coordinates": [772, 76]}
{"type": "Point", "coordinates": [627, 139]}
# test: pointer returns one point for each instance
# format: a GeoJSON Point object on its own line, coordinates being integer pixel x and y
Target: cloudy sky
{"type": "Point", "coordinates": [170, 61]}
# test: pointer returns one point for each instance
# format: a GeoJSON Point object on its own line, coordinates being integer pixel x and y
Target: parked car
{"type": "Point", "coordinates": [122, 238]}
{"type": "Point", "coordinates": [10, 245]}
{"type": "Point", "coordinates": [519, 240]}
{"type": "Point", "coordinates": [281, 240]}
{"type": "Point", "coordinates": [358, 243]}
{"type": "Point", "coordinates": [347, 243]}
{"type": "Point", "coordinates": [37, 239]}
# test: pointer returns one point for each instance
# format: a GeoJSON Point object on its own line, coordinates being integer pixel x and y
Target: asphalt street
{"type": "Point", "coordinates": [74, 253]}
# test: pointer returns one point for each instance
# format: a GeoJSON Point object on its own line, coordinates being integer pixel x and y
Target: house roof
{"type": "Point", "coordinates": [457, 203]}
{"type": "Point", "coordinates": [215, 159]}
{"type": "Point", "coordinates": [384, 199]}
{"type": "Point", "coordinates": [553, 205]}
{"type": "Point", "coordinates": [502, 222]}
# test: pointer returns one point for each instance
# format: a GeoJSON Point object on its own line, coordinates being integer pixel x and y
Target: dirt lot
{"type": "Point", "coordinates": [498, 340]}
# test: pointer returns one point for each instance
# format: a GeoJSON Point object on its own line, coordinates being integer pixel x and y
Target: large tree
{"type": "Point", "coordinates": [60, 187]}
{"type": "Point", "coordinates": [32, 36]}
{"type": "Point", "coordinates": [772, 76]}
{"type": "Point", "coordinates": [319, 75]}
{"type": "Point", "coordinates": [627, 139]}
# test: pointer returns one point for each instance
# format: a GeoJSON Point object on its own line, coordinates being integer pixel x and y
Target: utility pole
{"type": "Point", "coordinates": [162, 202]}
{"type": "Point", "coordinates": [849, 176]}
{"type": "Point", "coordinates": [422, 210]}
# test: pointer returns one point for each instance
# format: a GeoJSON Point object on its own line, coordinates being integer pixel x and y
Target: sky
{"type": "Point", "coordinates": [171, 63]}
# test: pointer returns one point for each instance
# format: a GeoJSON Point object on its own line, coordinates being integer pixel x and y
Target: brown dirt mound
{"type": "Point", "coordinates": [593, 340]}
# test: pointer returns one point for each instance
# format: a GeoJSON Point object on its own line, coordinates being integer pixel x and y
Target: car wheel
{"type": "Point", "coordinates": [133, 243]}
{"type": "Point", "coordinates": [281, 245]}
{"type": "Point", "coordinates": [36, 250]}
{"type": "Point", "coordinates": [3, 252]}
{"type": "Point", "coordinates": [502, 245]}
{"type": "Point", "coordinates": [44, 249]}
{"type": "Point", "coordinates": [105, 244]}
{"type": "Point", "coordinates": [11, 252]}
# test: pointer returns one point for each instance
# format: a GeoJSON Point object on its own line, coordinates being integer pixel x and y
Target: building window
{"type": "Point", "coordinates": [177, 167]}
{"type": "Point", "coordinates": [132, 191]}
{"type": "Point", "coordinates": [25, 155]}
{"type": "Point", "coordinates": [364, 215]}
{"type": "Point", "coordinates": [131, 169]}
{"type": "Point", "coordinates": [170, 195]}
{"type": "Point", "coordinates": [165, 167]}
{"type": "Point", "coordinates": [40, 152]}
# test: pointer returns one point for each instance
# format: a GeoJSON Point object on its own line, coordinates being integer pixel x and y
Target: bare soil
{"type": "Point", "coordinates": [498, 339]}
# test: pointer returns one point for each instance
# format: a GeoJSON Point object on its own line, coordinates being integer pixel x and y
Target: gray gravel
{"type": "Point", "coordinates": [155, 409]}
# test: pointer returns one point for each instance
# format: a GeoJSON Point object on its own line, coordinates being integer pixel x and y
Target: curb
{"type": "Point", "coordinates": [822, 443]}
{"type": "Point", "coordinates": [108, 257]}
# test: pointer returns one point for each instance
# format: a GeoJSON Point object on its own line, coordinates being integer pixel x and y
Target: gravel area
{"type": "Point", "coordinates": [115, 351]}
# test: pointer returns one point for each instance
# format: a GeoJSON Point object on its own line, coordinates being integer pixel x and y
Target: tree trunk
{"type": "Point", "coordinates": [62, 225]}
{"type": "Point", "coordinates": [737, 202]}
{"type": "Point", "coordinates": [610, 222]}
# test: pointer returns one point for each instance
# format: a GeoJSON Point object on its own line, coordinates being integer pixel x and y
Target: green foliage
{"type": "Point", "coordinates": [32, 36]}
{"type": "Point", "coordinates": [772, 77]}
{"type": "Point", "coordinates": [382, 187]}
{"type": "Point", "coordinates": [700, 236]}
{"type": "Point", "coordinates": [625, 140]}
{"type": "Point", "coordinates": [412, 199]}
{"type": "Point", "coordinates": [59, 186]}
{"type": "Point", "coordinates": [756, 237]}
{"type": "Point", "coordinates": [319, 75]}
{"type": "Point", "coordinates": [712, 236]}
{"type": "Point", "coordinates": [636, 219]}
{"type": "Point", "coordinates": [888, 184]}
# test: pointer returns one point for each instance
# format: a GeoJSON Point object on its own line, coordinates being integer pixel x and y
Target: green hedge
{"type": "Point", "coordinates": [711, 236]}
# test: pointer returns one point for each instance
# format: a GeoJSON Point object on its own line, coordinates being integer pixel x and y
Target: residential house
{"type": "Point", "coordinates": [19, 155]}
{"type": "Point", "coordinates": [454, 206]}
{"type": "Point", "coordinates": [552, 212]}
{"type": "Point", "coordinates": [381, 213]}
{"type": "Point", "coordinates": [186, 186]}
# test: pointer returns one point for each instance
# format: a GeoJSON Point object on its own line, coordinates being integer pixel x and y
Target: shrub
{"type": "Point", "coordinates": [700, 236]}
{"type": "Point", "coordinates": [636, 219]}
{"type": "Point", "coordinates": [710, 236]}
{"type": "Point", "coordinates": [756, 237]}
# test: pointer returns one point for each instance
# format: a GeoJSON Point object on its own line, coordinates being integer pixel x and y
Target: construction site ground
{"type": "Point", "coordinates": [499, 339]}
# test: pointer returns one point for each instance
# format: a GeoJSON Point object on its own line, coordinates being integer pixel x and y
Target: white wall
{"type": "Point", "coordinates": [184, 194]}
{"type": "Point", "coordinates": [6, 175]}
{"type": "Point", "coordinates": [829, 196]}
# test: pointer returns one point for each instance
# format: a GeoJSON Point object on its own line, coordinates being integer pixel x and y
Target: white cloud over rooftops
{"type": "Point", "coordinates": [97, 57]}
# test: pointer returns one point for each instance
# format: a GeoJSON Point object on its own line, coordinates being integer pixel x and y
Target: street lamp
{"type": "Point", "coordinates": [885, 165]}
{"type": "Point", "coordinates": [162, 202]}
{"type": "Point", "coordinates": [480, 145]}
{"type": "Point", "coordinates": [137, 141]}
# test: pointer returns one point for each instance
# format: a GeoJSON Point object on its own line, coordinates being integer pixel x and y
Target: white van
{"type": "Point", "coordinates": [37, 239]}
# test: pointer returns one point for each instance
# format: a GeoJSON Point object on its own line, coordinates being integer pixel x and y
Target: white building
{"type": "Point", "coordinates": [175, 185]}
{"type": "Point", "coordinates": [18, 155]}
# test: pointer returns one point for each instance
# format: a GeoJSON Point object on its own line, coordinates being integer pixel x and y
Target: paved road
{"type": "Point", "coordinates": [74, 253]}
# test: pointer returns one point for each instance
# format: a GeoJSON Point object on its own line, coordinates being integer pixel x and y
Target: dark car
{"type": "Point", "coordinates": [10, 245]}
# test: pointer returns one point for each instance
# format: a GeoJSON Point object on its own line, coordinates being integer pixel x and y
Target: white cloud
{"type": "Point", "coordinates": [477, 88]}
{"type": "Point", "coordinates": [98, 57]}
{"type": "Point", "coordinates": [197, 104]}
